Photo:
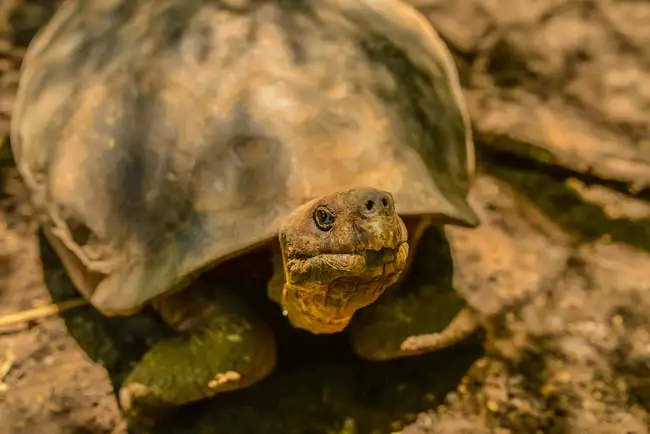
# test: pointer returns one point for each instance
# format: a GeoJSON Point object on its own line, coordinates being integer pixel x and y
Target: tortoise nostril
{"type": "Point", "coordinates": [376, 203]}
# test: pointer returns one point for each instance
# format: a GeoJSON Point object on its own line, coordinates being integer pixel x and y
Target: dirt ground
{"type": "Point", "coordinates": [560, 96]}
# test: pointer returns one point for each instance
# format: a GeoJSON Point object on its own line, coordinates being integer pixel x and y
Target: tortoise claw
{"type": "Point", "coordinates": [460, 328]}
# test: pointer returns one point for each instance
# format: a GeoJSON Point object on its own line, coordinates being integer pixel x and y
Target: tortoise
{"type": "Point", "coordinates": [160, 138]}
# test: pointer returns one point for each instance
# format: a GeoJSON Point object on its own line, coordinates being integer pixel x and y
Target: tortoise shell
{"type": "Point", "coordinates": [160, 137]}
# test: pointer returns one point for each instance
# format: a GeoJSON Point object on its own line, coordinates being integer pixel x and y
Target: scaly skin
{"type": "Point", "coordinates": [422, 313]}
{"type": "Point", "coordinates": [340, 252]}
{"type": "Point", "coordinates": [327, 270]}
{"type": "Point", "coordinates": [221, 346]}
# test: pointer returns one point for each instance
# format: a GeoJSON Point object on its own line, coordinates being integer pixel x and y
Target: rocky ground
{"type": "Point", "coordinates": [560, 96]}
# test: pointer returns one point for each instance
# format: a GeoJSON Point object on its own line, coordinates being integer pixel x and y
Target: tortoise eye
{"type": "Point", "coordinates": [324, 218]}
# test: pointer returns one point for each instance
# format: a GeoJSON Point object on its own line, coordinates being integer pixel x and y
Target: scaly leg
{"type": "Point", "coordinates": [221, 346]}
{"type": "Point", "coordinates": [420, 314]}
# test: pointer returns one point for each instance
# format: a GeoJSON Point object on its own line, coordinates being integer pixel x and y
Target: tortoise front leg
{"type": "Point", "coordinates": [221, 346]}
{"type": "Point", "coordinates": [420, 314]}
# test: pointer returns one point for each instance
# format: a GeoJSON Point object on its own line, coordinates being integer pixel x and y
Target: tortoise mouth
{"type": "Point", "coordinates": [324, 291]}
{"type": "Point", "coordinates": [328, 306]}
{"type": "Point", "coordinates": [384, 254]}
{"type": "Point", "coordinates": [378, 257]}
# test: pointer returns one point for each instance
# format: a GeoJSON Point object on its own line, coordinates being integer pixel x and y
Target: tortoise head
{"type": "Point", "coordinates": [340, 252]}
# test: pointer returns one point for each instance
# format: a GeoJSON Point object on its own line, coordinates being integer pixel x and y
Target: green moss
{"type": "Point", "coordinates": [554, 197]}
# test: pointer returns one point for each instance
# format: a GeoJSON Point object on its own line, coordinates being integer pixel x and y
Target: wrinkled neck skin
{"type": "Point", "coordinates": [329, 275]}
{"type": "Point", "coordinates": [322, 293]}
